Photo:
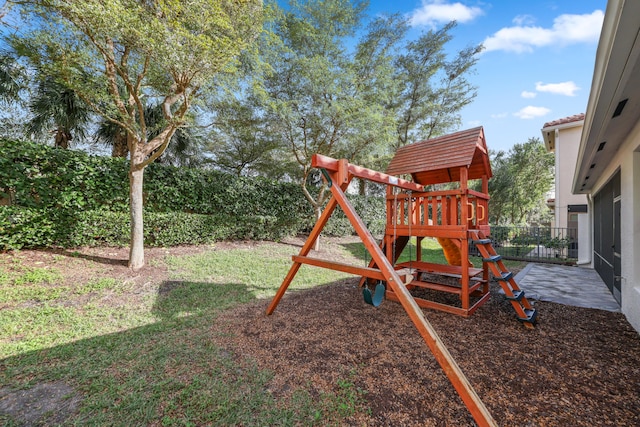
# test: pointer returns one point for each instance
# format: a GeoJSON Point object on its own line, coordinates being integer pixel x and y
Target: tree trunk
{"type": "Point", "coordinates": [362, 187]}
{"type": "Point", "coordinates": [120, 147]}
{"type": "Point", "coordinates": [62, 138]}
{"type": "Point", "coordinates": [136, 249]}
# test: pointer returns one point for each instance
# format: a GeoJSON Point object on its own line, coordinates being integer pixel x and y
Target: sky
{"type": "Point", "coordinates": [537, 64]}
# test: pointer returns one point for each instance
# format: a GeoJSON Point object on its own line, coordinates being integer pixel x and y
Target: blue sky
{"type": "Point", "coordinates": [538, 61]}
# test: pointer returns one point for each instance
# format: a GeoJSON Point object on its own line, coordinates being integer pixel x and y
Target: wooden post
{"type": "Point", "coordinates": [306, 248]}
{"type": "Point", "coordinates": [464, 263]}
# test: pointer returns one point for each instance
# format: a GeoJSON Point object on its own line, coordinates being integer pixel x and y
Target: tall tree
{"type": "Point", "coordinates": [12, 77]}
{"type": "Point", "coordinates": [318, 95]}
{"type": "Point", "coordinates": [521, 179]}
{"type": "Point", "coordinates": [433, 88]}
{"type": "Point", "coordinates": [13, 81]}
{"type": "Point", "coordinates": [164, 50]}
{"type": "Point", "coordinates": [242, 142]}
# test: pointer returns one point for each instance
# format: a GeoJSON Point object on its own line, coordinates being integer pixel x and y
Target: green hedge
{"type": "Point", "coordinates": [69, 198]}
{"type": "Point", "coordinates": [38, 176]}
{"type": "Point", "coordinates": [27, 227]}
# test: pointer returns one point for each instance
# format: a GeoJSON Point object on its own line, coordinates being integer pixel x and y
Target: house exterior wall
{"type": "Point", "coordinates": [567, 143]}
{"type": "Point", "coordinates": [627, 161]}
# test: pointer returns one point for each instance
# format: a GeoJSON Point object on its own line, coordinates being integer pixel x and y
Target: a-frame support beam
{"type": "Point", "coordinates": [339, 179]}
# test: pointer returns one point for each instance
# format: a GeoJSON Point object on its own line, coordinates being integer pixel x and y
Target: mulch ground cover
{"type": "Point", "coordinates": [578, 367]}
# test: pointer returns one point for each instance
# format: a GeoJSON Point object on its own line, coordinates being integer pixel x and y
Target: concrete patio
{"type": "Point", "coordinates": [569, 285]}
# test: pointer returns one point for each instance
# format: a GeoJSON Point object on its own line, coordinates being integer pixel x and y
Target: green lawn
{"type": "Point", "coordinates": [431, 252]}
{"type": "Point", "coordinates": [141, 357]}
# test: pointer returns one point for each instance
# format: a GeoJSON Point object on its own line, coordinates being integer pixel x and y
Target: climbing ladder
{"type": "Point", "coordinates": [525, 311]}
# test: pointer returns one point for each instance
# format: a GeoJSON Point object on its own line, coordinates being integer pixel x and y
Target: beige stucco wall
{"type": "Point", "coordinates": [627, 160]}
{"type": "Point", "coordinates": [567, 143]}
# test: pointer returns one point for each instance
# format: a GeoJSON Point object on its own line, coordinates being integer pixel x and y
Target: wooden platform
{"type": "Point", "coordinates": [449, 271]}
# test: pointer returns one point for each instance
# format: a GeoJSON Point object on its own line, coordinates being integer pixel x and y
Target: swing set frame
{"type": "Point", "coordinates": [338, 174]}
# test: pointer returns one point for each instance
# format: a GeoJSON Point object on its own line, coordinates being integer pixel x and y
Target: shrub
{"type": "Point", "coordinates": [69, 198]}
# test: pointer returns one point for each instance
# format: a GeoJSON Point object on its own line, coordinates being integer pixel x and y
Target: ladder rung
{"type": "Point", "coordinates": [482, 242]}
{"type": "Point", "coordinates": [517, 296]}
{"type": "Point", "coordinates": [531, 314]}
{"type": "Point", "coordinates": [506, 275]}
{"type": "Point", "coordinates": [492, 258]}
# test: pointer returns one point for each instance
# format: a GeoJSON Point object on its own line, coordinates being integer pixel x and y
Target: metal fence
{"type": "Point", "coordinates": [539, 244]}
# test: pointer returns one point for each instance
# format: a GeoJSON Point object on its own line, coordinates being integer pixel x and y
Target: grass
{"type": "Point", "coordinates": [259, 270]}
{"type": "Point", "coordinates": [145, 354]}
{"type": "Point", "coordinates": [431, 252]}
{"type": "Point", "coordinates": [150, 358]}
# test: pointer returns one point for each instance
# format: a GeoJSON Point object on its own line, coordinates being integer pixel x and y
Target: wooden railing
{"type": "Point", "coordinates": [438, 209]}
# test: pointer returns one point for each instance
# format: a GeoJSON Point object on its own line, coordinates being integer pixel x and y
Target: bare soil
{"type": "Point", "coordinates": [578, 367]}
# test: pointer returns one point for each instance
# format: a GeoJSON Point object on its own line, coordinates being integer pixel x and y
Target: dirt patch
{"type": "Point", "coordinates": [54, 401]}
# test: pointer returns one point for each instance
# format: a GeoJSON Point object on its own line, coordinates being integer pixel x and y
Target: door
{"type": "Point", "coordinates": [617, 260]}
{"type": "Point", "coordinates": [607, 235]}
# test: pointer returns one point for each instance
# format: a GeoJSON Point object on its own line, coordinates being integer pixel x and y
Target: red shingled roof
{"type": "Point", "coordinates": [439, 159]}
{"type": "Point", "coordinates": [565, 120]}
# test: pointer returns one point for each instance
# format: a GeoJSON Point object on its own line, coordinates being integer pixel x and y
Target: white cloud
{"type": "Point", "coordinates": [526, 94]}
{"type": "Point", "coordinates": [521, 20]}
{"type": "Point", "coordinates": [531, 112]}
{"type": "Point", "coordinates": [566, 29]}
{"type": "Point", "coordinates": [565, 88]}
{"type": "Point", "coordinates": [433, 12]}
{"type": "Point", "coordinates": [499, 115]}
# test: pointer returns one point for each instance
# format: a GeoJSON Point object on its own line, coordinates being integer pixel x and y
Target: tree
{"type": "Point", "coordinates": [13, 82]}
{"type": "Point", "coordinates": [57, 110]}
{"type": "Point", "coordinates": [184, 149]}
{"type": "Point", "coordinates": [242, 141]}
{"type": "Point", "coordinates": [320, 98]}
{"type": "Point", "coordinates": [12, 76]}
{"type": "Point", "coordinates": [112, 135]}
{"type": "Point", "coordinates": [163, 50]}
{"type": "Point", "coordinates": [433, 89]}
{"type": "Point", "coordinates": [521, 179]}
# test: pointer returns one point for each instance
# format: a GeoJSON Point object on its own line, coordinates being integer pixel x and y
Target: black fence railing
{"type": "Point", "coordinates": [539, 244]}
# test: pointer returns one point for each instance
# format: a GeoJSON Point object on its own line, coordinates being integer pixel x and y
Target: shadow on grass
{"type": "Point", "coordinates": [171, 372]}
{"type": "Point", "coordinates": [93, 258]}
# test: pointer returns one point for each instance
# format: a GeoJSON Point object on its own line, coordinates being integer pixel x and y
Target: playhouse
{"type": "Point", "coordinates": [456, 216]}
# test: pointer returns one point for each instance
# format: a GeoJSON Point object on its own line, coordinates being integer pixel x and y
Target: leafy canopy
{"type": "Point", "coordinates": [521, 179]}
{"type": "Point", "coordinates": [116, 53]}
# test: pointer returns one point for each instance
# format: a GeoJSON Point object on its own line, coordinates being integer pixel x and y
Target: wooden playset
{"type": "Point", "coordinates": [455, 217]}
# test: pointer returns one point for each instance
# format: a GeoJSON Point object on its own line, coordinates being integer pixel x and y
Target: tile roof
{"type": "Point", "coordinates": [565, 120]}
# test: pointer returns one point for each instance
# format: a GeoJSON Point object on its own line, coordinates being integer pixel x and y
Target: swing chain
{"type": "Point", "coordinates": [395, 223]}
{"type": "Point", "coordinates": [411, 216]}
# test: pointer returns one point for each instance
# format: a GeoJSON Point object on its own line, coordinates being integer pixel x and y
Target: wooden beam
{"type": "Point", "coordinates": [405, 274]}
{"type": "Point", "coordinates": [430, 267]}
{"type": "Point", "coordinates": [333, 165]}
{"type": "Point", "coordinates": [371, 273]}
